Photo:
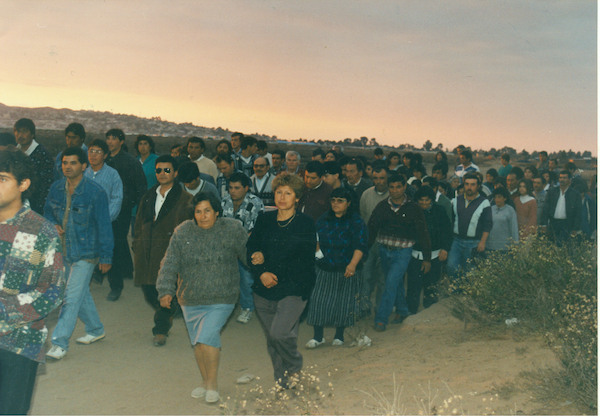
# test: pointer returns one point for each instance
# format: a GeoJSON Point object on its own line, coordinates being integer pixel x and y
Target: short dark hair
{"type": "Point", "coordinates": [347, 194]}
{"type": "Point", "coordinates": [541, 177]}
{"type": "Point", "coordinates": [314, 166]}
{"type": "Point", "coordinates": [227, 143]}
{"type": "Point", "coordinates": [176, 145]}
{"type": "Point", "coordinates": [378, 151]}
{"type": "Point", "coordinates": [467, 154]}
{"type": "Point", "coordinates": [533, 169]}
{"type": "Point", "coordinates": [318, 152]}
{"type": "Point", "coordinates": [472, 175]}
{"type": "Point", "coordinates": [335, 155]}
{"type": "Point", "coordinates": [360, 166]}
{"type": "Point", "coordinates": [77, 129]}
{"type": "Point", "coordinates": [442, 167]}
{"type": "Point", "coordinates": [144, 138]}
{"type": "Point", "coordinates": [261, 144]}
{"type": "Point", "coordinates": [224, 158]}
{"type": "Point", "coordinates": [517, 171]}
{"type": "Point", "coordinates": [492, 172]}
{"type": "Point", "coordinates": [420, 168]}
{"type": "Point", "coordinates": [431, 181]}
{"type": "Point", "coordinates": [195, 139]}
{"type": "Point", "coordinates": [188, 172]}
{"type": "Point", "coordinates": [27, 124]}
{"type": "Point", "coordinates": [331, 168]}
{"type": "Point", "coordinates": [101, 144]}
{"type": "Point", "coordinates": [544, 153]}
{"type": "Point", "coordinates": [570, 166]}
{"type": "Point", "coordinates": [212, 200]}
{"type": "Point", "coordinates": [118, 133]}
{"type": "Point", "coordinates": [237, 134]}
{"type": "Point", "coordinates": [505, 156]}
{"type": "Point", "coordinates": [566, 172]}
{"type": "Point", "coordinates": [501, 190]}
{"type": "Point", "coordinates": [74, 151]}
{"type": "Point", "coordinates": [19, 165]}
{"type": "Point", "coordinates": [379, 165]}
{"type": "Point", "coordinates": [424, 191]}
{"type": "Point", "coordinates": [240, 177]}
{"type": "Point", "coordinates": [396, 177]}
{"type": "Point", "coordinates": [167, 159]}
{"type": "Point", "coordinates": [7, 139]}
{"type": "Point", "coordinates": [247, 141]}
{"type": "Point", "coordinates": [279, 152]}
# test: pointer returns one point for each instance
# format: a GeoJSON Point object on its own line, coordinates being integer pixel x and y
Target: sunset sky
{"type": "Point", "coordinates": [481, 73]}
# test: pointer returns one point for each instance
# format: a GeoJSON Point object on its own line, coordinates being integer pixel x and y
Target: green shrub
{"type": "Point", "coordinates": [551, 291]}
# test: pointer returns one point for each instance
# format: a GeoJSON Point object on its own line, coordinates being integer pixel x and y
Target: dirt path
{"type": "Point", "coordinates": [126, 374]}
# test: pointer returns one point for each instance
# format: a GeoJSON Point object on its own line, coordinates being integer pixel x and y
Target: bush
{"type": "Point", "coordinates": [551, 291]}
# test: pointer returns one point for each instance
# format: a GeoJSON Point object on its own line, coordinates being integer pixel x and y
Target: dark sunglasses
{"type": "Point", "coordinates": [167, 170]}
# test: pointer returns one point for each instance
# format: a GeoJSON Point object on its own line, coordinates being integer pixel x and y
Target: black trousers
{"type": "Point", "coordinates": [417, 281]}
{"type": "Point", "coordinates": [163, 317]}
{"type": "Point", "coordinates": [17, 378]}
{"type": "Point", "coordinates": [122, 265]}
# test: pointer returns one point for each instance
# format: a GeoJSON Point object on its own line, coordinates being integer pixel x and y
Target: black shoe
{"type": "Point", "coordinates": [114, 295]}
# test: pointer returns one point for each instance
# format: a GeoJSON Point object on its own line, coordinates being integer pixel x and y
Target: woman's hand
{"type": "Point", "coordinates": [268, 279]}
{"type": "Point", "coordinates": [350, 270]}
{"type": "Point", "coordinates": [165, 301]}
{"type": "Point", "coordinates": [257, 258]}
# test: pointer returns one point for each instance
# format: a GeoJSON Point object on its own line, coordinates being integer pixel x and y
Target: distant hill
{"type": "Point", "coordinates": [48, 118]}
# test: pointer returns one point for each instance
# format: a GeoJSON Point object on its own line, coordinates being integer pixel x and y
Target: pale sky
{"type": "Point", "coordinates": [482, 73]}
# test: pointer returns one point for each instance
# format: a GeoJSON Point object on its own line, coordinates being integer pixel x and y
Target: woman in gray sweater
{"type": "Point", "coordinates": [201, 267]}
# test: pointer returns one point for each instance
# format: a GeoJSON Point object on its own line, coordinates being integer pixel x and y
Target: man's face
{"type": "Point", "coordinates": [511, 181]}
{"type": "Point", "coordinates": [11, 190]}
{"type": "Point", "coordinates": [24, 137]}
{"type": "Point", "coordinates": [222, 149]}
{"type": "Point", "coordinates": [193, 184]}
{"type": "Point", "coordinates": [292, 162]}
{"type": "Point", "coordinates": [406, 161]}
{"type": "Point", "coordinates": [352, 173]}
{"type": "Point", "coordinates": [261, 167]}
{"type": "Point", "coordinates": [463, 160]}
{"type": "Point", "coordinates": [176, 151]}
{"type": "Point", "coordinates": [504, 162]}
{"type": "Point", "coordinates": [144, 147]}
{"type": "Point", "coordinates": [165, 174]}
{"type": "Point", "coordinates": [378, 157]}
{"type": "Point", "coordinates": [425, 203]}
{"type": "Point", "coordinates": [262, 151]}
{"type": "Point", "coordinates": [380, 181]}
{"type": "Point", "coordinates": [438, 175]}
{"type": "Point", "coordinates": [563, 180]}
{"type": "Point", "coordinates": [397, 191]}
{"type": "Point", "coordinates": [226, 169]}
{"type": "Point", "coordinates": [543, 157]}
{"type": "Point", "coordinates": [538, 185]}
{"type": "Point", "coordinates": [471, 187]}
{"type": "Point", "coordinates": [329, 157]}
{"type": "Point", "coordinates": [551, 164]}
{"type": "Point", "coordinates": [195, 150]}
{"type": "Point", "coordinates": [318, 158]}
{"type": "Point", "coordinates": [96, 157]}
{"type": "Point", "coordinates": [277, 160]}
{"type": "Point", "coordinates": [237, 191]}
{"type": "Point", "coordinates": [114, 144]}
{"type": "Point", "coordinates": [235, 143]}
{"type": "Point", "coordinates": [73, 140]}
{"type": "Point", "coordinates": [331, 179]}
{"type": "Point", "coordinates": [72, 168]}
{"type": "Point", "coordinates": [311, 180]}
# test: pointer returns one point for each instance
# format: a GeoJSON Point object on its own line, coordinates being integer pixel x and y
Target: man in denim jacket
{"type": "Point", "coordinates": [78, 207]}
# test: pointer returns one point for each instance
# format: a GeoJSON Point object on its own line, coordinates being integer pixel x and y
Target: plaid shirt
{"type": "Point", "coordinates": [247, 212]}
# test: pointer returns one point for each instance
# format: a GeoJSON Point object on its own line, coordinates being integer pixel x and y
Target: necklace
{"type": "Point", "coordinates": [285, 223]}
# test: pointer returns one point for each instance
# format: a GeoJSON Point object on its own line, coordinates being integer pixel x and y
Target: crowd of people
{"type": "Point", "coordinates": [336, 239]}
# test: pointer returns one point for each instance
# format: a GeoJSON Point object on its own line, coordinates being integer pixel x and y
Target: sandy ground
{"type": "Point", "coordinates": [428, 355]}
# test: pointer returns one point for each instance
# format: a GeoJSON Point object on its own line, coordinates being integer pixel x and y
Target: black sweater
{"type": "Point", "coordinates": [289, 254]}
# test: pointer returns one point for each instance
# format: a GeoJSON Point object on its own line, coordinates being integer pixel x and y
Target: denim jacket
{"type": "Point", "coordinates": [88, 234]}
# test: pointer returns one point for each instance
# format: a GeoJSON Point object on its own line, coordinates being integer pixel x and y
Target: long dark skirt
{"type": "Point", "coordinates": [334, 300]}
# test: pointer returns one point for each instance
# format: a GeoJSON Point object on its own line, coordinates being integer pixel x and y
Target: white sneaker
{"type": "Point", "coordinates": [364, 341]}
{"type": "Point", "coordinates": [244, 316]}
{"type": "Point", "coordinates": [313, 343]}
{"type": "Point", "coordinates": [56, 352]}
{"type": "Point", "coordinates": [337, 342]}
{"type": "Point", "coordinates": [88, 339]}
{"type": "Point", "coordinates": [212, 396]}
{"type": "Point", "coordinates": [198, 392]}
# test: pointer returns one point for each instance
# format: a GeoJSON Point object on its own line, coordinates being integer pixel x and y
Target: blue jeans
{"type": "Point", "coordinates": [246, 282]}
{"type": "Point", "coordinates": [394, 264]}
{"type": "Point", "coordinates": [78, 303]}
{"type": "Point", "coordinates": [460, 252]}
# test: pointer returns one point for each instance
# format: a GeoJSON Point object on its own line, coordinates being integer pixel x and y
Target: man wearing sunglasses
{"type": "Point", "coordinates": [161, 209]}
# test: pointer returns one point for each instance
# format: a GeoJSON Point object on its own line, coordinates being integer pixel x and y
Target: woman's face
{"type": "Point", "coordinates": [339, 206]}
{"type": "Point", "coordinates": [522, 189]}
{"type": "Point", "coordinates": [205, 215]}
{"type": "Point", "coordinates": [394, 161]}
{"type": "Point", "coordinates": [144, 148]}
{"type": "Point", "coordinates": [500, 201]}
{"type": "Point", "coordinates": [285, 198]}
{"type": "Point", "coordinates": [438, 157]}
{"type": "Point", "coordinates": [329, 157]}
{"type": "Point", "coordinates": [222, 149]}
{"type": "Point", "coordinates": [454, 183]}
{"type": "Point", "coordinates": [528, 174]}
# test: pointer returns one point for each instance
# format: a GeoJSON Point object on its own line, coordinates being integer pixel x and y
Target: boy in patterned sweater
{"type": "Point", "coordinates": [31, 283]}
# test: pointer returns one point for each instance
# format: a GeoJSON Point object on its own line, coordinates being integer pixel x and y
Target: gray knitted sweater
{"type": "Point", "coordinates": [202, 265]}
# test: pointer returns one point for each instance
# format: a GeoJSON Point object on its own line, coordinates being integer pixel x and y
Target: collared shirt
{"type": "Point", "coordinates": [247, 212]}
{"type": "Point", "coordinates": [108, 178]}
{"type": "Point", "coordinates": [30, 149]}
{"type": "Point", "coordinates": [560, 213]}
{"type": "Point", "coordinates": [160, 200]}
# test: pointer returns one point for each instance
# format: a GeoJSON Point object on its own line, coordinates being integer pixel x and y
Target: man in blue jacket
{"type": "Point", "coordinates": [78, 207]}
